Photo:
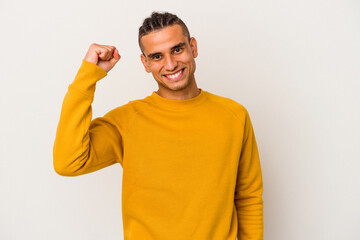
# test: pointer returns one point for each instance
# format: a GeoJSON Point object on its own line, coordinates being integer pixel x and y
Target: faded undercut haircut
{"type": "Point", "coordinates": [158, 21]}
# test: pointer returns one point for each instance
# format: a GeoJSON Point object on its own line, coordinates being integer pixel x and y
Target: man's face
{"type": "Point", "coordinates": [169, 56]}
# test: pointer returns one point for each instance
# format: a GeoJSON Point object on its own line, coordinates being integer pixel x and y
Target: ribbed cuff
{"type": "Point", "coordinates": [86, 78]}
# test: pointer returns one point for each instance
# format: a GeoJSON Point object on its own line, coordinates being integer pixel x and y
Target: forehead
{"type": "Point", "coordinates": [163, 39]}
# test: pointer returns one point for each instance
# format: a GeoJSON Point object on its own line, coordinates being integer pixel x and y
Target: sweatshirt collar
{"type": "Point", "coordinates": [173, 104]}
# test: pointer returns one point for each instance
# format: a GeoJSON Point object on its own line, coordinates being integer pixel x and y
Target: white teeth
{"type": "Point", "coordinates": [174, 75]}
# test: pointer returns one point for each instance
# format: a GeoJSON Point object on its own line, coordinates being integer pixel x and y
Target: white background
{"type": "Point", "coordinates": [295, 65]}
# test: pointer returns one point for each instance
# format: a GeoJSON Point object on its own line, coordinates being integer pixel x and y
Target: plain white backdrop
{"type": "Point", "coordinates": [295, 65]}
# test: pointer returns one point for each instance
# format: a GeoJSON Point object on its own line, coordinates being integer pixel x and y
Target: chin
{"type": "Point", "coordinates": [172, 87]}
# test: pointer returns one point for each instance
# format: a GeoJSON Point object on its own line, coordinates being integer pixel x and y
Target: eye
{"type": "Point", "coordinates": [177, 50]}
{"type": "Point", "coordinates": [156, 57]}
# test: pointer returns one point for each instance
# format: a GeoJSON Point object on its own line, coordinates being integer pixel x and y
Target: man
{"type": "Point", "coordinates": [191, 168]}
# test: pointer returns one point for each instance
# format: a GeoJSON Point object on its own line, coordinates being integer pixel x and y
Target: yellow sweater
{"type": "Point", "coordinates": [191, 168]}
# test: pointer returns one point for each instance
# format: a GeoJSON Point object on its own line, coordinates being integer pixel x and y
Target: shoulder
{"type": "Point", "coordinates": [129, 109]}
{"type": "Point", "coordinates": [236, 108]}
{"type": "Point", "coordinates": [123, 115]}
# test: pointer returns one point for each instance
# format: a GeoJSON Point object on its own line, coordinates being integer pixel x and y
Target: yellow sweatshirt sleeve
{"type": "Point", "coordinates": [83, 145]}
{"type": "Point", "coordinates": [249, 188]}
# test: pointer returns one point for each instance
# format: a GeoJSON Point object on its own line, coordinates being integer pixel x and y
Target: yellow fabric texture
{"type": "Point", "coordinates": [191, 168]}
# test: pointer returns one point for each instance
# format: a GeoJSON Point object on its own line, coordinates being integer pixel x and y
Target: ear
{"type": "Point", "coordinates": [145, 63]}
{"type": "Point", "coordinates": [193, 45]}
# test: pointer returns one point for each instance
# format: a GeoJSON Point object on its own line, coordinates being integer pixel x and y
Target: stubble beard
{"type": "Point", "coordinates": [177, 87]}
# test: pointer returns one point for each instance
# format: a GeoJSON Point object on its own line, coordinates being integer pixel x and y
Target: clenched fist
{"type": "Point", "coordinates": [104, 56]}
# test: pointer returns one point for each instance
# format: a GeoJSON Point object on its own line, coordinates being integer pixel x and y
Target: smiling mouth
{"type": "Point", "coordinates": [176, 76]}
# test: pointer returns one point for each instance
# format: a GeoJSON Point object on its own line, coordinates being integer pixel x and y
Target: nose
{"type": "Point", "coordinates": [170, 63]}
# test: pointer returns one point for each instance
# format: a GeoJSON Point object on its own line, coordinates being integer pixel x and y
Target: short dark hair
{"type": "Point", "coordinates": [159, 20]}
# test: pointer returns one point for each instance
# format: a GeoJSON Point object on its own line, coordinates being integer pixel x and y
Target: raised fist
{"type": "Point", "coordinates": [104, 56]}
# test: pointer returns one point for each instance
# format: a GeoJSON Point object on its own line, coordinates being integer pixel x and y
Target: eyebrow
{"type": "Point", "coordinates": [150, 55]}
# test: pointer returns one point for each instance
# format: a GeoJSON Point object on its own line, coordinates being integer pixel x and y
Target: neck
{"type": "Point", "coordinates": [189, 92]}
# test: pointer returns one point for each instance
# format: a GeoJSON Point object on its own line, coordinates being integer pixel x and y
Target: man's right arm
{"type": "Point", "coordinates": [83, 145]}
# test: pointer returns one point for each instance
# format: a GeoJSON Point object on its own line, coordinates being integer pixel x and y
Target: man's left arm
{"type": "Point", "coordinates": [249, 188]}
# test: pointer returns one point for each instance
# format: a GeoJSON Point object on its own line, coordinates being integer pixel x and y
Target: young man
{"type": "Point", "coordinates": [191, 168]}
